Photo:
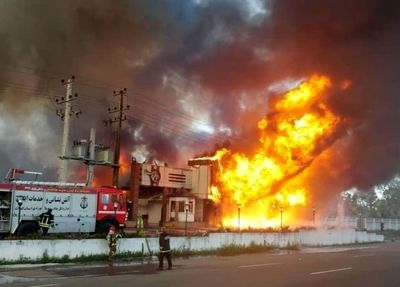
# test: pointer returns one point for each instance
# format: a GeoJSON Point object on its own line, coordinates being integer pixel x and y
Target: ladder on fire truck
{"type": "Point", "coordinates": [12, 173]}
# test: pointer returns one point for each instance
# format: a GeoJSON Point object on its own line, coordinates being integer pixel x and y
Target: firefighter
{"type": "Point", "coordinates": [165, 250]}
{"type": "Point", "coordinates": [139, 225]}
{"type": "Point", "coordinates": [46, 220]}
{"type": "Point", "coordinates": [112, 238]}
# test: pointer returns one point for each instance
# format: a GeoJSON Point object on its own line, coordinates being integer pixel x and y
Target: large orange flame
{"type": "Point", "coordinates": [261, 189]}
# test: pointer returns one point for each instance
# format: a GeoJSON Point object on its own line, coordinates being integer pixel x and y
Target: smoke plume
{"type": "Point", "coordinates": [199, 73]}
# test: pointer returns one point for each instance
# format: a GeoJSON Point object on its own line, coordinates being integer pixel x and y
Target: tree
{"type": "Point", "coordinates": [382, 201]}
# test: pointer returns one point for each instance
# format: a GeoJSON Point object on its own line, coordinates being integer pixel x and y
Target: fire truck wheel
{"type": "Point", "coordinates": [104, 225]}
{"type": "Point", "coordinates": [26, 228]}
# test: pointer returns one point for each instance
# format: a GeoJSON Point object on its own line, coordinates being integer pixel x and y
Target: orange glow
{"type": "Point", "coordinates": [264, 184]}
{"type": "Point", "coordinates": [345, 85]}
{"type": "Point", "coordinates": [104, 177]}
{"type": "Point", "coordinates": [124, 165]}
{"type": "Point", "coordinates": [96, 182]}
{"type": "Point", "coordinates": [214, 195]}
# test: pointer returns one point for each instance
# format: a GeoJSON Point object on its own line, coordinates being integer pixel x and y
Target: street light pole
{"type": "Point", "coordinates": [313, 215]}
{"type": "Point", "coordinates": [238, 207]}
{"type": "Point", "coordinates": [281, 219]}
{"type": "Point", "coordinates": [115, 213]}
{"type": "Point", "coordinates": [19, 201]}
{"type": "Point", "coordinates": [186, 217]}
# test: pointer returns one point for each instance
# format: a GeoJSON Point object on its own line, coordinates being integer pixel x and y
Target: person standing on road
{"type": "Point", "coordinates": [112, 238]}
{"type": "Point", "coordinates": [165, 250]}
{"type": "Point", "coordinates": [46, 220]}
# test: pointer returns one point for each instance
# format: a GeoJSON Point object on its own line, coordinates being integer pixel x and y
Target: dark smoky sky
{"type": "Point", "coordinates": [198, 73]}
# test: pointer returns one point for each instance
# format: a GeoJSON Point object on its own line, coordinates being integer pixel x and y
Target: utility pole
{"type": "Point", "coordinates": [238, 209]}
{"type": "Point", "coordinates": [65, 115]}
{"type": "Point", "coordinates": [119, 110]}
{"type": "Point", "coordinates": [92, 144]}
{"type": "Point", "coordinates": [90, 153]}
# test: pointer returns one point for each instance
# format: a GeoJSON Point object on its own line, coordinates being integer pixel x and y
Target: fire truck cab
{"type": "Point", "coordinates": [111, 208]}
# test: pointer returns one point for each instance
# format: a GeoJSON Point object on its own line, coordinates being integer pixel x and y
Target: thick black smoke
{"type": "Point", "coordinates": [199, 73]}
{"type": "Point", "coordinates": [354, 40]}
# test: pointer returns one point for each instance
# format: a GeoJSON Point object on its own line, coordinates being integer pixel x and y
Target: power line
{"type": "Point", "coordinates": [118, 120]}
{"type": "Point", "coordinates": [168, 111]}
{"type": "Point", "coordinates": [162, 122]}
{"type": "Point", "coordinates": [145, 102]}
{"type": "Point", "coordinates": [101, 86]}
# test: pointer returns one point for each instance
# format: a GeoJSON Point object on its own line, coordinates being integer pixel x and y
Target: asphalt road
{"type": "Point", "coordinates": [361, 266]}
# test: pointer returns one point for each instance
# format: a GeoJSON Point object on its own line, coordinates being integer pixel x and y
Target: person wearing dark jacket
{"type": "Point", "coordinates": [165, 250]}
{"type": "Point", "coordinates": [112, 238]}
{"type": "Point", "coordinates": [46, 220]}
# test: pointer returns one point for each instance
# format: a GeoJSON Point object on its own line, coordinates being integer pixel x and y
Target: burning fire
{"type": "Point", "coordinates": [262, 189]}
{"type": "Point", "coordinates": [104, 177]}
{"type": "Point", "coordinates": [125, 165]}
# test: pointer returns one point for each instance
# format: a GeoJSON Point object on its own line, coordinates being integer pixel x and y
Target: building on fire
{"type": "Point", "coordinates": [173, 196]}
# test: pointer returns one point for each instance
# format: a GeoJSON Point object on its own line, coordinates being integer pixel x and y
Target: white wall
{"type": "Point", "coordinates": [180, 216]}
{"type": "Point", "coordinates": [367, 223]}
{"type": "Point", "coordinates": [201, 181]}
{"type": "Point", "coordinates": [334, 237]}
{"type": "Point", "coordinates": [34, 249]}
{"type": "Point", "coordinates": [168, 176]}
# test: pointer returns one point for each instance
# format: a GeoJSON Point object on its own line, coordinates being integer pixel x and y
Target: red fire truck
{"type": "Point", "coordinates": [76, 208]}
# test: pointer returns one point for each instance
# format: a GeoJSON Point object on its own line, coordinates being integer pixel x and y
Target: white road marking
{"type": "Point", "coordinates": [364, 255]}
{"type": "Point", "coordinates": [83, 276]}
{"type": "Point", "coordinates": [330, 271]}
{"type": "Point", "coordinates": [128, 272]}
{"type": "Point", "coordinates": [47, 285]}
{"type": "Point", "coordinates": [259, 265]}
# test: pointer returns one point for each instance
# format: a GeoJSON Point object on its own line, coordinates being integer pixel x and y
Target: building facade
{"type": "Point", "coordinates": [166, 195]}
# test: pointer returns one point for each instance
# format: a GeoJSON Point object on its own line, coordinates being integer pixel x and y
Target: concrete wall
{"type": "Point", "coordinates": [371, 224]}
{"type": "Point", "coordinates": [334, 237]}
{"type": "Point", "coordinates": [34, 249]}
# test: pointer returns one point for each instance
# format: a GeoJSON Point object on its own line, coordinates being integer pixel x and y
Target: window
{"type": "Point", "coordinates": [181, 206]}
{"type": "Point", "coordinates": [190, 207]}
{"type": "Point", "coordinates": [173, 202]}
{"type": "Point", "coordinates": [105, 199]}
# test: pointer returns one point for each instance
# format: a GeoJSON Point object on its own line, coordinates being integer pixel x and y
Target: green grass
{"type": "Point", "coordinates": [66, 259]}
{"type": "Point", "coordinates": [227, 250]}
